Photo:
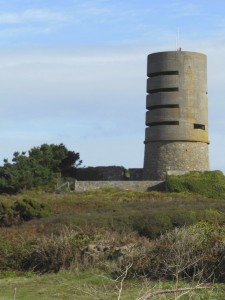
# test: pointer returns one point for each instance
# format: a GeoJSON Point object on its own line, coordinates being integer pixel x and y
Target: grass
{"type": "Point", "coordinates": [150, 214]}
{"type": "Point", "coordinates": [89, 286]}
{"type": "Point", "coordinates": [96, 214]}
{"type": "Point", "coordinates": [82, 286]}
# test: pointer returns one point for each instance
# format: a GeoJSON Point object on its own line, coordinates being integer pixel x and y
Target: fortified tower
{"type": "Point", "coordinates": [176, 136]}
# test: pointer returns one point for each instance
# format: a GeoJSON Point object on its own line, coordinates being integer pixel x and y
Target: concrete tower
{"type": "Point", "coordinates": [176, 136]}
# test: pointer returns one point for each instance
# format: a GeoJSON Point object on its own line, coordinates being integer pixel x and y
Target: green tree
{"type": "Point", "coordinates": [39, 168]}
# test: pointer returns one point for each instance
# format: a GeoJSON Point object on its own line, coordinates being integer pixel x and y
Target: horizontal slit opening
{"type": "Point", "coordinates": [163, 106]}
{"type": "Point", "coordinates": [173, 89]}
{"type": "Point", "coordinates": [163, 73]}
{"type": "Point", "coordinates": [199, 126]}
{"type": "Point", "coordinates": [163, 123]}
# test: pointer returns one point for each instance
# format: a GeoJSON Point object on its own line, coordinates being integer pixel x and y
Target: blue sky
{"type": "Point", "coordinates": [74, 72]}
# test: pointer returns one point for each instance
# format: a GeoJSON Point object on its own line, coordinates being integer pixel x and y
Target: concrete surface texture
{"type": "Point", "coordinates": [176, 136]}
{"type": "Point", "coordinates": [110, 173]}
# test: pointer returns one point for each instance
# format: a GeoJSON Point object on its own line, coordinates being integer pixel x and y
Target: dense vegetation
{"type": "Point", "coordinates": [78, 220]}
{"type": "Point", "coordinates": [154, 235]}
{"type": "Point", "coordinates": [13, 213]}
{"type": "Point", "coordinates": [156, 241]}
{"type": "Point", "coordinates": [208, 183]}
{"type": "Point", "coordinates": [40, 167]}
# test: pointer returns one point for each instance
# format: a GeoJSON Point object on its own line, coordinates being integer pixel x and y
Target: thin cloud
{"type": "Point", "coordinates": [24, 31]}
{"type": "Point", "coordinates": [32, 15]}
{"type": "Point", "coordinates": [68, 58]}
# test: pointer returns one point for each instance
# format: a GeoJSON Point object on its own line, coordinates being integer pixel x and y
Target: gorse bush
{"type": "Point", "coordinates": [208, 183]}
{"type": "Point", "coordinates": [22, 210]}
{"type": "Point", "coordinates": [28, 209]}
{"type": "Point", "coordinates": [7, 214]}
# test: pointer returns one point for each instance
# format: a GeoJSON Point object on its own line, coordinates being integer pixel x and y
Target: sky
{"type": "Point", "coordinates": [74, 72]}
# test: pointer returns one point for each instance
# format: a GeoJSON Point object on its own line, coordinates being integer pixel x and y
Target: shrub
{"type": "Point", "coordinates": [52, 253]}
{"type": "Point", "coordinates": [6, 214]}
{"type": "Point", "coordinates": [13, 251]}
{"type": "Point", "coordinates": [22, 210]}
{"type": "Point", "coordinates": [151, 225]}
{"type": "Point", "coordinates": [28, 209]}
{"type": "Point", "coordinates": [210, 184]}
{"type": "Point", "coordinates": [194, 253]}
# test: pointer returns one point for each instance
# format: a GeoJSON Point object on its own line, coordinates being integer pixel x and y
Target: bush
{"type": "Point", "coordinates": [6, 214]}
{"type": "Point", "coordinates": [208, 183]}
{"type": "Point", "coordinates": [151, 225]}
{"type": "Point", "coordinates": [52, 253]}
{"type": "Point", "coordinates": [28, 209]}
{"type": "Point", "coordinates": [13, 251]}
{"type": "Point", "coordinates": [193, 253]}
{"type": "Point", "coordinates": [22, 210]}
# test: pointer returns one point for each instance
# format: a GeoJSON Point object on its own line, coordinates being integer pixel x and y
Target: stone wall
{"type": "Point", "coordinates": [174, 156]}
{"type": "Point", "coordinates": [81, 186]}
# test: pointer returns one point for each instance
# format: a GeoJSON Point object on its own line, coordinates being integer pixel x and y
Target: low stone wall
{"type": "Point", "coordinates": [81, 186]}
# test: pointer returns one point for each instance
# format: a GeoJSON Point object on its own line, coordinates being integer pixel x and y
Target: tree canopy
{"type": "Point", "coordinates": [40, 167]}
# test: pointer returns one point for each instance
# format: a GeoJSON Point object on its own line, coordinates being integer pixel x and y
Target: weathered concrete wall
{"type": "Point", "coordinates": [175, 156]}
{"type": "Point", "coordinates": [136, 174]}
{"type": "Point", "coordinates": [100, 173]}
{"type": "Point", "coordinates": [109, 173]}
{"type": "Point", "coordinates": [81, 186]}
{"type": "Point", "coordinates": [177, 114]}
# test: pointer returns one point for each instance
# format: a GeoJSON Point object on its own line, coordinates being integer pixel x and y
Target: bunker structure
{"type": "Point", "coordinates": [176, 137]}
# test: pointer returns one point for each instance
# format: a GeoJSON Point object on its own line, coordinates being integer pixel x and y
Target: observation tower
{"type": "Point", "coordinates": [176, 137]}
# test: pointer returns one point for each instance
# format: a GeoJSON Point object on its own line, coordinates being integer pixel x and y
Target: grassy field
{"type": "Point", "coordinates": [55, 257]}
{"type": "Point", "coordinates": [150, 214]}
{"type": "Point", "coordinates": [88, 286]}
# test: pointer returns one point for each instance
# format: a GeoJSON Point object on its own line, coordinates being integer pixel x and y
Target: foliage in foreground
{"type": "Point", "coordinates": [194, 253]}
{"type": "Point", "coordinates": [94, 232]}
{"type": "Point", "coordinates": [208, 183]}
